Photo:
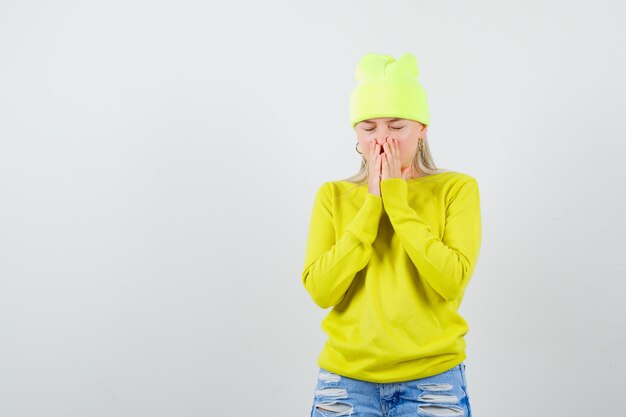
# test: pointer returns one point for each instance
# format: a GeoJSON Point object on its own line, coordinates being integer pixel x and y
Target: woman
{"type": "Point", "coordinates": [392, 250]}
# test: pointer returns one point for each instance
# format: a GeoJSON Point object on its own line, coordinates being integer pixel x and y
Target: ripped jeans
{"type": "Point", "coordinates": [444, 394]}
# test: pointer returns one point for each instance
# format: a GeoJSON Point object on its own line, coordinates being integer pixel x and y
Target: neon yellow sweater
{"type": "Point", "coordinates": [394, 268]}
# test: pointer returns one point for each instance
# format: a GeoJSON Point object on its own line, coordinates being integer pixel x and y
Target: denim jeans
{"type": "Point", "coordinates": [444, 394]}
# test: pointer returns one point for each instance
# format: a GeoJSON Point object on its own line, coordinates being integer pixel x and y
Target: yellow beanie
{"type": "Point", "coordinates": [388, 88]}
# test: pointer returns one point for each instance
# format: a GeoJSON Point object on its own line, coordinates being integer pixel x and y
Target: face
{"type": "Point", "coordinates": [372, 131]}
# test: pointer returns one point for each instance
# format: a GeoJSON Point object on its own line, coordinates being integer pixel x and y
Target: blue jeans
{"type": "Point", "coordinates": [444, 394]}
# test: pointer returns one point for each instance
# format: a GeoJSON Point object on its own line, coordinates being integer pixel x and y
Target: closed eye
{"type": "Point", "coordinates": [396, 128]}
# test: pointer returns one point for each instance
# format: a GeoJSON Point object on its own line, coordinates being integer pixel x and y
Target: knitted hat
{"type": "Point", "coordinates": [388, 87]}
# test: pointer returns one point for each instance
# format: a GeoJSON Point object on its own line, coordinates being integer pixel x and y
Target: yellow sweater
{"type": "Point", "coordinates": [394, 268]}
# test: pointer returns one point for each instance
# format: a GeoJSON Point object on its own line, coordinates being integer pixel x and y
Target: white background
{"type": "Point", "coordinates": [158, 163]}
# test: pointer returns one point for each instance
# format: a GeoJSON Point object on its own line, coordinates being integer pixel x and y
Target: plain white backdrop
{"type": "Point", "coordinates": [158, 164]}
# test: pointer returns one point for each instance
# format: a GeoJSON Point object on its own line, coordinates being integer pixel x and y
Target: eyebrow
{"type": "Point", "coordinates": [392, 120]}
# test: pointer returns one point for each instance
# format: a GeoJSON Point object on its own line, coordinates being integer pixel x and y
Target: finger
{"type": "Point", "coordinates": [385, 165]}
{"type": "Point", "coordinates": [394, 148]}
{"type": "Point", "coordinates": [376, 152]}
{"type": "Point", "coordinates": [393, 155]}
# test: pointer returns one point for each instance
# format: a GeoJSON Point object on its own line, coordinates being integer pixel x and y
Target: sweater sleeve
{"type": "Point", "coordinates": [331, 264]}
{"type": "Point", "coordinates": [445, 264]}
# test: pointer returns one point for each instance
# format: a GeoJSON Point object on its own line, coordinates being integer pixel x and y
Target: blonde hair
{"type": "Point", "coordinates": [422, 161]}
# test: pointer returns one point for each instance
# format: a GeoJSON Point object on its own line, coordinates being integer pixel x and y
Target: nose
{"type": "Point", "coordinates": [383, 134]}
{"type": "Point", "coordinates": [382, 138]}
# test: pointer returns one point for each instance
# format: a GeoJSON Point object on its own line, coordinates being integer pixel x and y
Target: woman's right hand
{"type": "Point", "coordinates": [374, 163]}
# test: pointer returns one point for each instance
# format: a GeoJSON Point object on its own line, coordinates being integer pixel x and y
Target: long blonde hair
{"type": "Point", "coordinates": [422, 162]}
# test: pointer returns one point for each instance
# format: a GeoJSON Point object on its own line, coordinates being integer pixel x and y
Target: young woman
{"type": "Point", "coordinates": [392, 250]}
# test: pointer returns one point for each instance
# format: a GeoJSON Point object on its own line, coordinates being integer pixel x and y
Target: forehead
{"type": "Point", "coordinates": [382, 120]}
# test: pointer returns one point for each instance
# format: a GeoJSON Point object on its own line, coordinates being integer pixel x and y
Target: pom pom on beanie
{"type": "Point", "coordinates": [388, 87]}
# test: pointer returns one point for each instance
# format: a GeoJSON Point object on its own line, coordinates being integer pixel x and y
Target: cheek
{"type": "Point", "coordinates": [363, 142]}
{"type": "Point", "coordinates": [405, 148]}
{"type": "Point", "coordinates": [368, 144]}
{"type": "Point", "coordinates": [402, 145]}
